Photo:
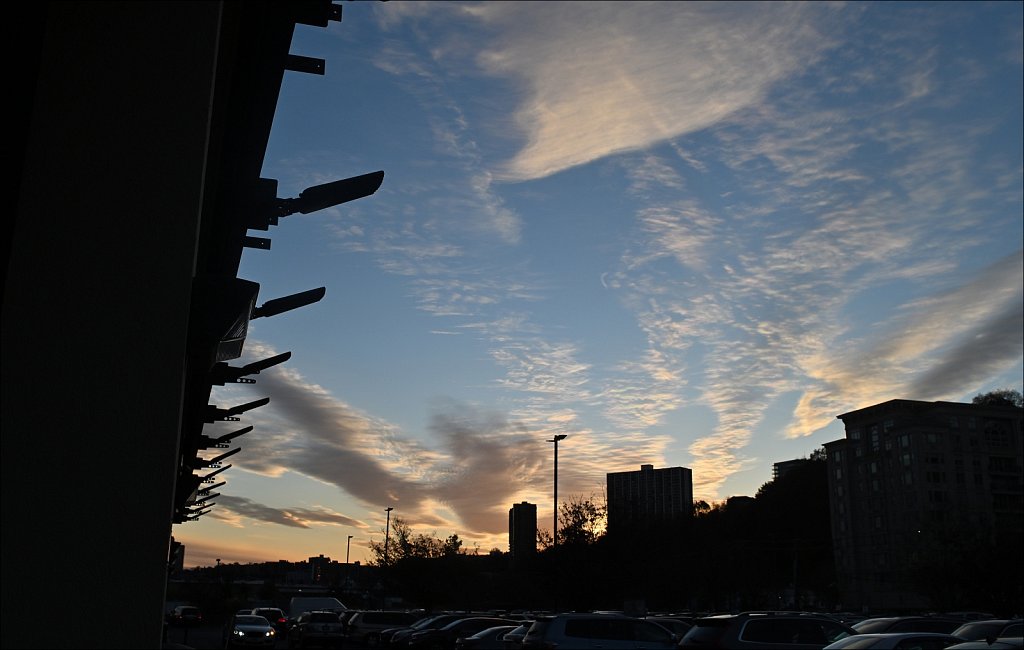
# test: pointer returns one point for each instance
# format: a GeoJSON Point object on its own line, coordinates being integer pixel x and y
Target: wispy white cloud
{"type": "Point", "coordinates": [813, 220]}
{"type": "Point", "coordinates": [608, 78]}
{"type": "Point", "coordinates": [934, 348]}
{"type": "Point", "coordinates": [786, 163]}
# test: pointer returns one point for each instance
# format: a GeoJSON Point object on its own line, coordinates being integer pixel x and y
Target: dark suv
{"type": "Point", "coordinates": [597, 630]}
{"type": "Point", "coordinates": [765, 631]}
{"type": "Point", "coordinates": [941, 624]}
{"type": "Point", "coordinates": [319, 628]}
{"type": "Point", "coordinates": [185, 616]}
{"type": "Point", "coordinates": [362, 626]}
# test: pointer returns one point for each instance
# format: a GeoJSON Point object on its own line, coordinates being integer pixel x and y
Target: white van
{"type": "Point", "coordinates": [301, 604]}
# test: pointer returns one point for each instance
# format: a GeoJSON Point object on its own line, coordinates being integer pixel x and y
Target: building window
{"type": "Point", "coordinates": [905, 440]}
{"type": "Point", "coordinates": [908, 479]}
{"type": "Point", "coordinates": [888, 425]}
{"type": "Point", "coordinates": [931, 438]}
{"type": "Point", "coordinates": [972, 423]}
{"type": "Point", "coordinates": [839, 473]}
{"type": "Point", "coordinates": [1006, 502]}
{"type": "Point", "coordinates": [854, 434]}
{"type": "Point", "coordinates": [953, 422]}
{"type": "Point", "coordinates": [997, 437]}
{"type": "Point", "coordinates": [1001, 464]}
{"type": "Point", "coordinates": [837, 456]}
{"type": "Point", "coordinates": [905, 459]}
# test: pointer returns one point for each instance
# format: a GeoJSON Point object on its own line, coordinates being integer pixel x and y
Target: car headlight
{"type": "Point", "coordinates": [270, 633]}
{"type": "Point", "coordinates": [237, 632]}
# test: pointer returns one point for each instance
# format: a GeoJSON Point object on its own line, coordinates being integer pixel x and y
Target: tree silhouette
{"type": "Point", "coordinates": [1000, 397]}
{"type": "Point", "coordinates": [581, 521]}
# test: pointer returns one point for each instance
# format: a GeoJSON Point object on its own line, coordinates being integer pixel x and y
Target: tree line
{"type": "Point", "coordinates": [766, 551]}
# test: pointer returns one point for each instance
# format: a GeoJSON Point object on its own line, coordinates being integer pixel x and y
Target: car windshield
{"type": "Point", "coordinates": [874, 625]}
{"type": "Point", "coordinates": [521, 630]}
{"type": "Point", "coordinates": [853, 643]}
{"type": "Point", "coordinates": [323, 617]}
{"type": "Point", "coordinates": [251, 620]}
{"type": "Point", "coordinates": [423, 622]}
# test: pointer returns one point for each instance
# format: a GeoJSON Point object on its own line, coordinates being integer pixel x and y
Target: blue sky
{"type": "Point", "coordinates": [680, 233]}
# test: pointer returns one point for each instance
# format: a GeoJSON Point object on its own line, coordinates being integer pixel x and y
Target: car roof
{"type": "Point", "coordinates": [982, 644]}
{"type": "Point", "coordinates": [548, 617]}
{"type": "Point", "coordinates": [897, 635]}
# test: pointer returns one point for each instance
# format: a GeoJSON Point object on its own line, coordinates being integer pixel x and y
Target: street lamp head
{"type": "Point", "coordinates": [560, 436]}
{"type": "Point", "coordinates": [388, 509]}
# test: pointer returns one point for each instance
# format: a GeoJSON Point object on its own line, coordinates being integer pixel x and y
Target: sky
{"type": "Point", "coordinates": [679, 233]}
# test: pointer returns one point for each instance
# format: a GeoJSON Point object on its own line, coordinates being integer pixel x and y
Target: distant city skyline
{"type": "Point", "coordinates": [680, 234]}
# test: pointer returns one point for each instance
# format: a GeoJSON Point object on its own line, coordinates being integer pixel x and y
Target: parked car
{"type": "Point", "coordinates": [361, 625]}
{"type": "Point", "coordinates": [383, 637]}
{"type": "Point", "coordinates": [299, 604]}
{"type": "Point", "coordinates": [319, 628]}
{"type": "Point", "coordinates": [676, 626]}
{"type": "Point", "coordinates": [185, 616]}
{"type": "Point", "coordinates": [611, 631]}
{"type": "Point", "coordinates": [942, 624]}
{"type": "Point", "coordinates": [513, 639]}
{"type": "Point", "coordinates": [970, 616]}
{"type": "Point", "coordinates": [896, 641]}
{"type": "Point", "coordinates": [990, 629]}
{"type": "Point", "coordinates": [765, 631]}
{"type": "Point", "coordinates": [444, 638]}
{"type": "Point", "coordinates": [249, 631]}
{"type": "Point", "coordinates": [490, 639]}
{"type": "Point", "coordinates": [275, 615]}
{"type": "Point", "coordinates": [1005, 643]}
{"type": "Point", "coordinates": [400, 638]}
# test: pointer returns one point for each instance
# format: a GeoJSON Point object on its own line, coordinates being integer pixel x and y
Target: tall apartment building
{"type": "Point", "coordinates": [649, 496]}
{"type": "Point", "coordinates": [522, 532]}
{"type": "Point", "coordinates": [907, 473]}
{"type": "Point", "coordinates": [319, 569]}
{"type": "Point", "coordinates": [784, 467]}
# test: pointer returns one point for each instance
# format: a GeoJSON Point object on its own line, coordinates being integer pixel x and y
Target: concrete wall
{"type": "Point", "coordinates": [95, 316]}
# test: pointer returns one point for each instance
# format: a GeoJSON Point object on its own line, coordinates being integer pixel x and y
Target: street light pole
{"type": "Point", "coordinates": [387, 534]}
{"type": "Point", "coordinates": [554, 527]}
